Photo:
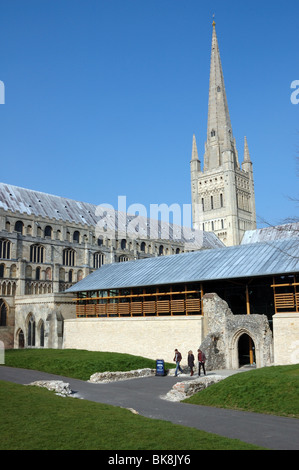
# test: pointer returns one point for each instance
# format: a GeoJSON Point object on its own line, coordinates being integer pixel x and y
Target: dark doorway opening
{"type": "Point", "coordinates": [246, 349]}
{"type": "Point", "coordinates": [21, 340]}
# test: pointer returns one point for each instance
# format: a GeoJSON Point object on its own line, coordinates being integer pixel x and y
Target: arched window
{"type": "Point", "coordinates": [37, 274]}
{"type": "Point", "coordinates": [221, 200]}
{"type": "Point", "coordinates": [31, 331]}
{"type": "Point", "coordinates": [70, 275]}
{"type": "Point", "coordinates": [68, 257]}
{"type": "Point", "coordinates": [48, 231]}
{"type": "Point", "coordinates": [41, 334]}
{"type": "Point", "coordinates": [123, 244]}
{"type": "Point", "coordinates": [21, 340]}
{"type": "Point", "coordinates": [142, 247]}
{"type": "Point", "coordinates": [2, 269]}
{"type": "Point", "coordinates": [48, 274]}
{"type": "Point", "coordinates": [37, 254]}
{"type": "Point", "coordinates": [76, 236]}
{"type": "Point", "coordinates": [212, 202]}
{"type": "Point", "coordinates": [28, 272]}
{"type": "Point", "coordinates": [161, 250]}
{"type": "Point", "coordinates": [13, 271]}
{"type": "Point", "coordinates": [19, 227]}
{"type": "Point", "coordinates": [3, 313]}
{"type": "Point", "coordinates": [213, 133]}
{"type": "Point", "coordinates": [98, 260]}
{"type": "Point", "coordinates": [4, 249]}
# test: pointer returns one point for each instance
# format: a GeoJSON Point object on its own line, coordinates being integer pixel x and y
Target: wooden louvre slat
{"type": "Point", "coordinates": [136, 308]}
{"type": "Point", "coordinates": [112, 309]}
{"type": "Point", "coordinates": [80, 310]}
{"type": "Point", "coordinates": [90, 310]}
{"type": "Point", "coordinates": [124, 308]}
{"type": "Point", "coordinates": [149, 307]}
{"type": "Point", "coordinates": [284, 300]}
{"type": "Point", "coordinates": [162, 306]}
{"type": "Point", "coordinates": [178, 306]}
{"type": "Point", "coordinates": [101, 309]}
{"type": "Point", "coordinates": [192, 305]}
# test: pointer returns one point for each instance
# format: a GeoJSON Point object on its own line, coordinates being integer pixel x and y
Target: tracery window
{"type": "Point", "coordinates": [98, 260]}
{"type": "Point", "coordinates": [31, 331]}
{"type": "Point", "coordinates": [68, 257]}
{"type": "Point", "coordinates": [4, 249]}
{"type": "Point", "coordinates": [37, 253]}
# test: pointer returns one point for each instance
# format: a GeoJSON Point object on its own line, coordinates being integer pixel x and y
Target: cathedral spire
{"type": "Point", "coordinates": [219, 130]}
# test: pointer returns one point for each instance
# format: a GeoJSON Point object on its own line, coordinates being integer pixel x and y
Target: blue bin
{"type": "Point", "coordinates": [160, 369]}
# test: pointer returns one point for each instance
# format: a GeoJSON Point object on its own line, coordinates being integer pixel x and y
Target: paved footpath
{"type": "Point", "coordinates": [144, 396]}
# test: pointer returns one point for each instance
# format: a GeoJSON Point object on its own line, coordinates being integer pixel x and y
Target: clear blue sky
{"type": "Point", "coordinates": [102, 97]}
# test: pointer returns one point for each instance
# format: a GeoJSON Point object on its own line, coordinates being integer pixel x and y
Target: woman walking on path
{"type": "Point", "coordinates": [191, 361]}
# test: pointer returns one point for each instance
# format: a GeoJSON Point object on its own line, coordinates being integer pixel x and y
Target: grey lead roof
{"type": "Point", "coordinates": [250, 260]}
{"type": "Point", "coordinates": [30, 202]}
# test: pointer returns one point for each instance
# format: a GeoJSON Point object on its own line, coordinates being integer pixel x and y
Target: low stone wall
{"type": "Point", "coordinates": [182, 390]}
{"type": "Point", "coordinates": [151, 337]}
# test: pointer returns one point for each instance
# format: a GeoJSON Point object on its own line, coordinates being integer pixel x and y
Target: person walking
{"type": "Point", "coordinates": [201, 361]}
{"type": "Point", "coordinates": [177, 358]}
{"type": "Point", "coordinates": [191, 362]}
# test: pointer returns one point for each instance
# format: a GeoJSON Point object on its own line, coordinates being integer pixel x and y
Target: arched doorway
{"type": "Point", "coordinates": [246, 350]}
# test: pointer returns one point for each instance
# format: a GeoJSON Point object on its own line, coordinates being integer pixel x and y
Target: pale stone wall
{"type": "Point", "coordinates": [49, 309]}
{"type": "Point", "coordinates": [154, 337]}
{"type": "Point", "coordinates": [286, 338]}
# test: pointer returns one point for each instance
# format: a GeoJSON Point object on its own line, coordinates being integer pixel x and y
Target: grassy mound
{"type": "Point", "coordinates": [78, 364]}
{"type": "Point", "coordinates": [272, 390]}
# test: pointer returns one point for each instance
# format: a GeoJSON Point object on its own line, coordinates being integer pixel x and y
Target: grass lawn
{"type": "Point", "coordinates": [33, 418]}
{"type": "Point", "coordinates": [78, 364]}
{"type": "Point", "coordinates": [271, 390]}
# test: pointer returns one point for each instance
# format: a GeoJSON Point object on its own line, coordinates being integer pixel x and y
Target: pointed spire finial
{"type": "Point", "coordinates": [194, 149]}
{"type": "Point", "coordinates": [246, 151]}
{"type": "Point", "coordinates": [214, 24]}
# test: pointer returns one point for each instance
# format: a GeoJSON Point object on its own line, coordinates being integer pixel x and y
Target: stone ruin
{"type": "Point", "coordinates": [222, 331]}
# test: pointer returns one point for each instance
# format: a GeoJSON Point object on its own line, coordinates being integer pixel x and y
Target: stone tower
{"type": "Point", "coordinates": [223, 198]}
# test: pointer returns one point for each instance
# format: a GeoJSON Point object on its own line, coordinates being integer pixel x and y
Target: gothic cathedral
{"type": "Point", "coordinates": [223, 198]}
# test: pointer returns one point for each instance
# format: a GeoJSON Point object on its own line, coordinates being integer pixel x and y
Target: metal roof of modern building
{"type": "Point", "coordinates": [266, 234]}
{"type": "Point", "coordinates": [243, 261]}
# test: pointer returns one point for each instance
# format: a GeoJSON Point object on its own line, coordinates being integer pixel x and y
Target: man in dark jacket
{"type": "Point", "coordinates": [201, 361]}
{"type": "Point", "coordinates": [177, 358]}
